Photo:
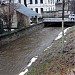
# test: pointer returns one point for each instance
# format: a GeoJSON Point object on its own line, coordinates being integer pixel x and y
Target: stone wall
{"type": "Point", "coordinates": [8, 37]}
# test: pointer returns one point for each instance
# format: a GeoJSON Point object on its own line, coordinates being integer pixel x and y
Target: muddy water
{"type": "Point", "coordinates": [15, 56]}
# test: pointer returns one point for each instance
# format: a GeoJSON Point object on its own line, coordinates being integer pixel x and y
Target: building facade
{"type": "Point", "coordinates": [19, 1]}
{"type": "Point", "coordinates": [41, 5]}
{"type": "Point", "coordinates": [15, 1]}
{"type": "Point", "coordinates": [58, 6]}
{"type": "Point", "coordinates": [38, 5]}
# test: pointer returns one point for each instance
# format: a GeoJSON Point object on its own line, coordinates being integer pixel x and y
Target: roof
{"type": "Point", "coordinates": [25, 10]}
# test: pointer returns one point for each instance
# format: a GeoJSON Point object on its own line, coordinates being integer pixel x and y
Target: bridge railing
{"type": "Point", "coordinates": [57, 20]}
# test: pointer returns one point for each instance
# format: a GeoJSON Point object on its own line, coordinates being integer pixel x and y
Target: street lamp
{"type": "Point", "coordinates": [63, 2]}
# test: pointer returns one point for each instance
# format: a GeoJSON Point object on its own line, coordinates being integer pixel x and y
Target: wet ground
{"type": "Point", "coordinates": [15, 56]}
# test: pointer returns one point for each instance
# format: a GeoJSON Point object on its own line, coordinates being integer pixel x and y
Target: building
{"type": "Point", "coordinates": [67, 7]}
{"type": "Point", "coordinates": [20, 1]}
{"type": "Point", "coordinates": [72, 6]}
{"type": "Point", "coordinates": [41, 5]}
{"type": "Point", "coordinates": [15, 1]}
{"type": "Point", "coordinates": [24, 14]}
{"type": "Point", "coordinates": [38, 6]}
{"type": "Point", "coordinates": [19, 16]}
{"type": "Point", "coordinates": [58, 5]}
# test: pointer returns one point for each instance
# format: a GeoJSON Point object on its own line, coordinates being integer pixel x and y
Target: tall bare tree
{"type": "Point", "coordinates": [72, 6]}
{"type": "Point", "coordinates": [7, 7]}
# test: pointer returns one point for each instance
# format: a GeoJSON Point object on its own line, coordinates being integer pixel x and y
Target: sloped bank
{"type": "Point", "coordinates": [11, 36]}
{"type": "Point", "coordinates": [53, 61]}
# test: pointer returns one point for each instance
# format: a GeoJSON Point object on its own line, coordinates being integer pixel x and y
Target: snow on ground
{"type": "Point", "coordinates": [60, 34]}
{"type": "Point", "coordinates": [22, 73]}
{"type": "Point", "coordinates": [31, 62]}
{"type": "Point", "coordinates": [48, 47]}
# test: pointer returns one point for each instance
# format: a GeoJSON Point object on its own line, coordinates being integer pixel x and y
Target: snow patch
{"type": "Point", "coordinates": [23, 73]}
{"type": "Point", "coordinates": [45, 49]}
{"type": "Point", "coordinates": [32, 61]}
{"type": "Point", "coordinates": [12, 29]}
{"type": "Point", "coordinates": [60, 34]}
{"type": "Point", "coordinates": [48, 47]}
{"type": "Point", "coordinates": [65, 41]}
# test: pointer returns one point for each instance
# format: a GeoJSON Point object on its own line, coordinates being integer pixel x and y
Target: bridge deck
{"type": "Point", "coordinates": [57, 20]}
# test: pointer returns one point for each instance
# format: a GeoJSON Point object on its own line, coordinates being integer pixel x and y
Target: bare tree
{"type": "Point", "coordinates": [72, 6]}
{"type": "Point", "coordinates": [7, 7]}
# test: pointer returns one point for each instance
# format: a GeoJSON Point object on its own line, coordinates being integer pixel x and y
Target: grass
{"type": "Point", "coordinates": [55, 61]}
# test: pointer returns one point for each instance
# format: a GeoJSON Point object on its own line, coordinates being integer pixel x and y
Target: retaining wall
{"type": "Point", "coordinates": [11, 36]}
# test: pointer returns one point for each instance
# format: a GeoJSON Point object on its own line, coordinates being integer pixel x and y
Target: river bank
{"type": "Point", "coordinates": [55, 61]}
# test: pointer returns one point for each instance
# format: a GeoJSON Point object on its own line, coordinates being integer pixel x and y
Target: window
{"type": "Point", "coordinates": [36, 9]}
{"type": "Point", "coordinates": [41, 1]}
{"type": "Point", "coordinates": [31, 8]}
{"type": "Point", "coordinates": [51, 8]}
{"type": "Point", "coordinates": [25, 3]}
{"type": "Point", "coordinates": [41, 10]}
{"type": "Point", "coordinates": [53, 1]}
{"type": "Point", "coordinates": [48, 1]}
{"type": "Point", "coordinates": [30, 1]}
{"type": "Point", "coordinates": [36, 1]}
{"type": "Point", "coordinates": [57, 0]}
{"type": "Point", "coordinates": [19, 1]}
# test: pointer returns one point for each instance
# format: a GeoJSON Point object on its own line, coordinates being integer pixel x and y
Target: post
{"type": "Point", "coordinates": [63, 25]}
{"type": "Point", "coordinates": [9, 25]}
{"type": "Point", "coordinates": [37, 19]}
